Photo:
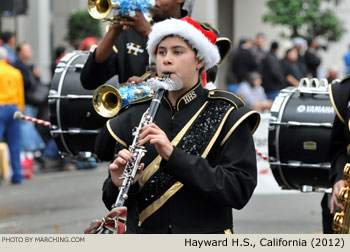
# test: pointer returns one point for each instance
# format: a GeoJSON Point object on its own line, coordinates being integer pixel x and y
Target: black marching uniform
{"type": "Point", "coordinates": [128, 58]}
{"type": "Point", "coordinates": [212, 168]}
{"type": "Point", "coordinates": [340, 144]}
{"type": "Point", "coordinates": [339, 94]}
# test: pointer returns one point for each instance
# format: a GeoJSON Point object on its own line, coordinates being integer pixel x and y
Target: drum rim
{"type": "Point", "coordinates": [279, 118]}
{"type": "Point", "coordinates": [58, 101]}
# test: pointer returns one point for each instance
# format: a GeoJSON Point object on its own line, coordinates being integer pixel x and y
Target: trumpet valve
{"type": "Point", "coordinates": [344, 195]}
{"type": "Point", "coordinates": [338, 223]}
{"type": "Point", "coordinates": [346, 174]}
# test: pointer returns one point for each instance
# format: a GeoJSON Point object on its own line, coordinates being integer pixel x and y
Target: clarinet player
{"type": "Point", "coordinates": [200, 161]}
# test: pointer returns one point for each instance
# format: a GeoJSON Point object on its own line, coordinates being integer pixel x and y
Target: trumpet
{"type": "Point", "coordinates": [108, 100]}
{"type": "Point", "coordinates": [341, 221]}
{"type": "Point", "coordinates": [101, 9]}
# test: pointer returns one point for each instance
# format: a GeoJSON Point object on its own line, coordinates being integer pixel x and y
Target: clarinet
{"type": "Point", "coordinates": [133, 164]}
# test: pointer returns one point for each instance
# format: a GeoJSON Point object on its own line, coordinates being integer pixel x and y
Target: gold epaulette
{"type": "Point", "coordinates": [228, 96]}
{"type": "Point", "coordinates": [339, 95]}
{"type": "Point", "coordinates": [344, 80]}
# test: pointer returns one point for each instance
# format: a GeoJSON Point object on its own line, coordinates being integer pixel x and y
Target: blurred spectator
{"type": "Point", "coordinates": [10, 42]}
{"type": "Point", "coordinates": [87, 43]}
{"type": "Point", "coordinates": [253, 93]}
{"type": "Point", "coordinates": [291, 69]}
{"type": "Point", "coordinates": [332, 74]}
{"type": "Point", "coordinates": [258, 48]}
{"type": "Point", "coordinates": [242, 63]}
{"type": "Point", "coordinates": [272, 73]}
{"type": "Point", "coordinates": [311, 57]}
{"type": "Point", "coordinates": [300, 44]}
{"type": "Point", "coordinates": [31, 139]}
{"type": "Point", "coordinates": [11, 100]}
{"type": "Point", "coordinates": [60, 51]}
{"type": "Point", "coordinates": [347, 61]}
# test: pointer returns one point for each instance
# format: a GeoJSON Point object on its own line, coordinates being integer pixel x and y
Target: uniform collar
{"type": "Point", "coordinates": [190, 96]}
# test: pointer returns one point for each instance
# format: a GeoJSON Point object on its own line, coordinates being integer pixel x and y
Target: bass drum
{"type": "Point", "coordinates": [299, 138]}
{"type": "Point", "coordinates": [75, 121]}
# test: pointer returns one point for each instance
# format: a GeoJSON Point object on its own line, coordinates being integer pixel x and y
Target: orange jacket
{"type": "Point", "coordinates": [11, 85]}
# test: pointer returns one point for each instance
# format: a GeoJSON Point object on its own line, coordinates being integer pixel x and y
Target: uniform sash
{"type": "Point", "coordinates": [196, 138]}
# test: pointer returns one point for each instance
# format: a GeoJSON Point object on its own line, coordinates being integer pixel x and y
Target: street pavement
{"type": "Point", "coordinates": [66, 202]}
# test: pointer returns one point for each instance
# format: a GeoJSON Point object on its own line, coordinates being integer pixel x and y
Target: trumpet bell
{"type": "Point", "coordinates": [107, 101]}
{"type": "Point", "coordinates": [99, 9]}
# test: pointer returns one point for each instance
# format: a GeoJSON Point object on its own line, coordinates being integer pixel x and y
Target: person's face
{"type": "Point", "coordinates": [249, 44]}
{"type": "Point", "coordinates": [175, 56]}
{"type": "Point", "coordinates": [165, 9]}
{"type": "Point", "coordinates": [260, 41]}
{"type": "Point", "coordinates": [314, 43]}
{"type": "Point", "coordinates": [257, 82]}
{"type": "Point", "coordinates": [26, 52]}
{"type": "Point", "coordinates": [293, 55]}
{"type": "Point", "coordinates": [12, 41]}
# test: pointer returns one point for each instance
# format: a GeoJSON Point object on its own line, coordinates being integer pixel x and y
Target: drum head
{"type": "Point", "coordinates": [71, 108]}
{"type": "Point", "coordinates": [299, 139]}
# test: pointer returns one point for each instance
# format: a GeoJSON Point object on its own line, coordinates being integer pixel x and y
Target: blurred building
{"type": "Point", "coordinates": [44, 26]}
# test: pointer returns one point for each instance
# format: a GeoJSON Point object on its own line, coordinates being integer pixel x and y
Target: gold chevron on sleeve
{"type": "Point", "coordinates": [114, 135]}
{"type": "Point", "coordinates": [237, 124]}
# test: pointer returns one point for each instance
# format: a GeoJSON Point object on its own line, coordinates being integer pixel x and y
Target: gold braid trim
{"type": "Point", "coordinates": [148, 211]}
{"type": "Point", "coordinates": [154, 165]}
{"type": "Point", "coordinates": [114, 135]}
{"type": "Point", "coordinates": [237, 124]}
{"type": "Point", "coordinates": [159, 202]}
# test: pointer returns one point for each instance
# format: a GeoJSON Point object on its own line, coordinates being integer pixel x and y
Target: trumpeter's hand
{"type": "Point", "coordinates": [334, 201]}
{"type": "Point", "coordinates": [138, 23]}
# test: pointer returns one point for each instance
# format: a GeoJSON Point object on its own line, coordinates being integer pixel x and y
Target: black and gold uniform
{"type": "Point", "coordinates": [339, 94]}
{"type": "Point", "coordinates": [128, 58]}
{"type": "Point", "coordinates": [211, 170]}
{"type": "Point", "coordinates": [340, 144]}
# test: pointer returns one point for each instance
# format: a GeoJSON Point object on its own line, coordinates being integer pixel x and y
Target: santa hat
{"type": "Point", "coordinates": [200, 39]}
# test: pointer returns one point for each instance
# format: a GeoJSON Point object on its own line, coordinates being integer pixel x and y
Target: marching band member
{"type": "Point", "coordinates": [340, 139]}
{"type": "Point", "coordinates": [200, 161]}
{"type": "Point", "coordinates": [123, 52]}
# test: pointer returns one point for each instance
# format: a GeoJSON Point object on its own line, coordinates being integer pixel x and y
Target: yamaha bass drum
{"type": "Point", "coordinates": [71, 110]}
{"type": "Point", "coordinates": [299, 136]}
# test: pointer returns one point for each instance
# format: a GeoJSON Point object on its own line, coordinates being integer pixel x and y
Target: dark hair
{"type": "Point", "coordinates": [7, 35]}
{"type": "Point", "coordinates": [288, 51]}
{"type": "Point", "coordinates": [19, 47]}
{"type": "Point", "coordinates": [59, 50]}
{"type": "Point", "coordinates": [211, 73]}
{"type": "Point", "coordinates": [274, 45]}
{"type": "Point", "coordinates": [310, 40]}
